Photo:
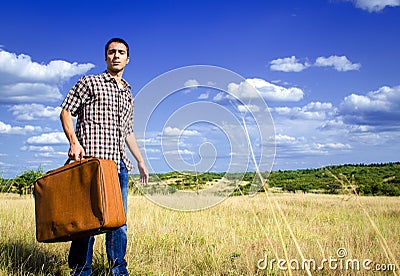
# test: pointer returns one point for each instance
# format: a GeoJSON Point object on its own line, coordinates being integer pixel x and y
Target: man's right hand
{"type": "Point", "coordinates": [76, 152]}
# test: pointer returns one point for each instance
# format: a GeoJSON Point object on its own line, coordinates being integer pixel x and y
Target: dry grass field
{"type": "Point", "coordinates": [263, 235]}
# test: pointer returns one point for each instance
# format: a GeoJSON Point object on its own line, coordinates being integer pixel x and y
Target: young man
{"type": "Point", "coordinates": [103, 104]}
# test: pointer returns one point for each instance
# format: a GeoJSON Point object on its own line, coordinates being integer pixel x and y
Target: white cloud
{"type": "Point", "coordinates": [375, 5]}
{"type": "Point", "coordinates": [295, 146]}
{"type": "Point", "coordinates": [362, 127]}
{"type": "Point", "coordinates": [311, 111]}
{"type": "Point", "coordinates": [44, 151]}
{"type": "Point", "coordinates": [190, 132]}
{"type": "Point", "coordinates": [29, 92]}
{"type": "Point", "coordinates": [38, 148]}
{"type": "Point", "coordinates": [288, 64]}
{"type": "Point", "coordinates": [179, 152]}
{"type": "Point", "coordinates": [23, 80]}
{"type": "Point", "coordinates": [152, 141]}
{"type": "Point", "coordinates": [340, 63]}
{"type": "Point", "coordinates": [203, 96]}
{"type": "Point", "coordinates": [191, 82]}
{"type": "Point", "coordinates": [9, 129]}
{"type": "Point", "coordinates": [149, 150]}
{"type": "Point", "coordinates": [249, 108]}
{"type": "Point", "coordinates": [22, 69]}
{"type": "Point", "coordinates": [380, 107]}
{"type": "Point", "coordinates": [54, 138]}
{"type": "Point", "coordinates": [384, 99]}
{"type": "Point", "coordinates": [332, 146]}
{"type": "Point", "coordinates": [220, 97]}
{"type": "Point", "coordinates": [291, 64]}
{"type": "Point", "coordinates": [55, 154]}
{"type": "Point", "coordinates": [254, 88]}
{"type": "Point", "coordinates": [33, 112]}
{"type": "Point", "coordinates": [284, 139]}
{"type": "Point", "coordinates": [174, 131]}
{"type": "Point", "coordinates": [361, 103]}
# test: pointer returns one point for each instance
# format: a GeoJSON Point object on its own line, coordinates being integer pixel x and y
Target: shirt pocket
{"type": "Point", "coordinates": [96, 107]}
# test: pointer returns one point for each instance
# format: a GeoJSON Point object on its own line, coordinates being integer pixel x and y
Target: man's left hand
{"type": "Point", "coordinates": [144, 174]}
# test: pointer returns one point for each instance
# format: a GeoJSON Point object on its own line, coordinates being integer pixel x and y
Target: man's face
{"type": "Point", "coordinates": [117, 57]}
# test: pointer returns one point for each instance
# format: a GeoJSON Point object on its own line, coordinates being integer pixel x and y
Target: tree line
{"type": "Point", "coordinates": [21, 184]}
{"type": "Point", "coordinates": [379, 179]}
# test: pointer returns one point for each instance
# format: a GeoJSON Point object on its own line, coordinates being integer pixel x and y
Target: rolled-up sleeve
{"type": "Point", "coordinates": [76, 96]}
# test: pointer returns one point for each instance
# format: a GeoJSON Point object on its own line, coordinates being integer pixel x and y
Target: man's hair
{"type": "Point", "coordinates": [119, 40]}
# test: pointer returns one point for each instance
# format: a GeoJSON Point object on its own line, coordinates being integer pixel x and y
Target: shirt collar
{"type": "Point", "coordinates": [107, 77]}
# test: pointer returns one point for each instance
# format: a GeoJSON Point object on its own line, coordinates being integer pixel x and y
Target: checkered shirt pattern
{"type": "Point", "coordinates": [105, 116]}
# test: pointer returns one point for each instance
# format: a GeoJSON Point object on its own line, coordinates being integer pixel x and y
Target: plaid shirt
{"type": "Point", "coordinates": [105, 116]}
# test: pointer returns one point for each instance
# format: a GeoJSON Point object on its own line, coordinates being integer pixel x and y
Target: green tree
{"type": "Point", "coordinates": [333, 187]}
{"type": "Point", "coordinates": [23, 183]}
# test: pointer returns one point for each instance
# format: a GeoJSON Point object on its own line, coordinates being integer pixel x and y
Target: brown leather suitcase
{"type": "Point", "coordinates": [77, 200]}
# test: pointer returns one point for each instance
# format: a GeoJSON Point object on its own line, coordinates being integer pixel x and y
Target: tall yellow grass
{"type": "Point", "coordinates": [228, 239]}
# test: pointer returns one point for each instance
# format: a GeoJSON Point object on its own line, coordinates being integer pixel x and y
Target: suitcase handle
{"type": "Point", "coordinates": [69, 159]}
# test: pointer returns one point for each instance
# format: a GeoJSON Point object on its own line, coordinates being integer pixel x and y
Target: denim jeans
{"type": "Point", "coordinates": [81, 251]}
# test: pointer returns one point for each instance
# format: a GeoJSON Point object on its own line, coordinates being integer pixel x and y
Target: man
{"type": "Point", "coordinates": [103, 104]}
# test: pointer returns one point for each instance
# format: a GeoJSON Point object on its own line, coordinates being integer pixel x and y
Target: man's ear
{"type": "Point", "coordinates": [128, 60]}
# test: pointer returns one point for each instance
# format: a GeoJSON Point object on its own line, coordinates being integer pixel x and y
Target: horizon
{"type": "Point", "coordinates": [300, 169]}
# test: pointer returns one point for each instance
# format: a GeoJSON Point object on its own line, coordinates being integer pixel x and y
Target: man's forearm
{"type": "Point", "coordinates": [76, 151]}
{"type": "Point", "coordinates": [134, 148]}
{"type": "Point", "coordinates": [68, 126]}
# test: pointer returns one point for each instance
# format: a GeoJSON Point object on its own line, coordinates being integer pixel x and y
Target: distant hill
{"type": "Point", "coordinates": [365, 179]}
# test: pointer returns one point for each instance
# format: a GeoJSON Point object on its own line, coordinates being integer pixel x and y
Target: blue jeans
{"type": "Point", "coordinates": [81, 251]}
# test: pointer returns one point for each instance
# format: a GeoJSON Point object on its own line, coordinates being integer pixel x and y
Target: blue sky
{"type": "Point", "coordinates": [328, 71]}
